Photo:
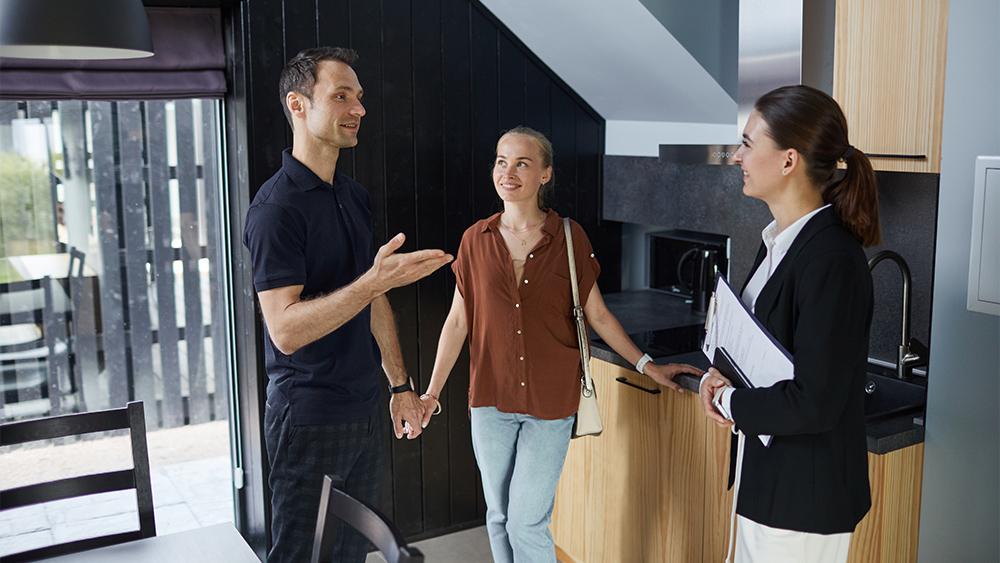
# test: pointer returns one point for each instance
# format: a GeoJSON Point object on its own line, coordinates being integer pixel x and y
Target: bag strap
{"type": "Point", "coordinates": [583, 339]}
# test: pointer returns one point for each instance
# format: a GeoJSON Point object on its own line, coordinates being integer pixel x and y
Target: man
{"type": "Point", "coordinates": [322, 295]}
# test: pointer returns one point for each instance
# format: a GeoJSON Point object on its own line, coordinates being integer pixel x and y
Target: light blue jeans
{"type": "Point", "coordinates": [520, 458]}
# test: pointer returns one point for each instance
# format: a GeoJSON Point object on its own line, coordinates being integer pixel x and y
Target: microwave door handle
{"type": "Point", "coordinates": [680, 267]}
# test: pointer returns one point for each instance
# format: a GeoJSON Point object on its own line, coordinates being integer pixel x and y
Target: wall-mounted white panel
{"type": "Point", "coordinates": [984, 260]}
{"type": "Point", "coordinates": [643, 138]}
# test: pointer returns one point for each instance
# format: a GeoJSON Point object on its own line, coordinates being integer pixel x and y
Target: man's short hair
{"type": "Point", "coordinates": [299, 74]}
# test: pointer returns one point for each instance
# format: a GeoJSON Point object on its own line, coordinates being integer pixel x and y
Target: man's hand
{"type": "Point", "coordinates": [407, 412]}
{"type": "Point", "coordinates": [714, 381]}
{"type": "Point", "coordinates": [392, 270]}
{"type": "Point", "coordinates": [664, 374]}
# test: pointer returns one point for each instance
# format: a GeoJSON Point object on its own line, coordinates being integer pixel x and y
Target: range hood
{"type": "Point", "coordinates": [781, 42]}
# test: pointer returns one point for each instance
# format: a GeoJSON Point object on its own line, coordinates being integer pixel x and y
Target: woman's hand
{"type": "Point", "coordinates": [664, 374]}
{"type": "Point", "coordinates": [712, 383]}
{"type": "Point", "coordinates": [431, 407]}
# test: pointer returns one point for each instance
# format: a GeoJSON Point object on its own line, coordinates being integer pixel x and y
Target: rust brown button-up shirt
{"type": "Point", "coordinates": [522, 339]}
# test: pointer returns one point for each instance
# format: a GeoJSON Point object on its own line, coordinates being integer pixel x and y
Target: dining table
{"type": "Point", "coordinates": [219, 543]}
{"type": "Point", "coordinates": [37, 266]}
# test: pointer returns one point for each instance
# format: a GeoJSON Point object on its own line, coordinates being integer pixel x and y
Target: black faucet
{"type": "Point", "coordinates": [912, 352]}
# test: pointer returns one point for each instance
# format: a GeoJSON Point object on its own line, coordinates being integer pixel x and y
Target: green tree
{"type": "Point", "coordinates": [26, 222]}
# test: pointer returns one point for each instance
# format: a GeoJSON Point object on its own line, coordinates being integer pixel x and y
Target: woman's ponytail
{"type": "Point", "coordinates": [855, 198]}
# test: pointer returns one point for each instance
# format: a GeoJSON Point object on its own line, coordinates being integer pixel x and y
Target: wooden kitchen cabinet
{"type": "Point", "coordinates": [652, 487]}
{"type": "Point", "coordinates": [625, 473]}
{"type": "Point", "coordinates": [889, 66]}
{"type": "Point", "coordinates": [888, 533]}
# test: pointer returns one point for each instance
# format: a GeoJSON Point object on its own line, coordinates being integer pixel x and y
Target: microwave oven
{"type": "Point", "coordinates": [674, 260]}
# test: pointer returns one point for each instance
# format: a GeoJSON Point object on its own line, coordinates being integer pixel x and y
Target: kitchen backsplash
{"type": "Point", "coordinates": [649, 194]}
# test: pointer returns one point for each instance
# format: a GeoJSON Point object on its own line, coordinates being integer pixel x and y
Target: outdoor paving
{"type": "Point", "coordinates": [190, 474]}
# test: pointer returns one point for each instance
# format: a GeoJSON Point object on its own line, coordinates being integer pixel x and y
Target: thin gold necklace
{"type": "Point", "coordinates": [524, 230]}
{"type": "Point", "coordinates": [524, 242]}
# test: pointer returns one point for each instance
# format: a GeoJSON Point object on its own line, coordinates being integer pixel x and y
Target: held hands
{"type": "Point", "coordinates": [407, 413]}
{"type": "Point", "coordinates": [664, 374]}
{"type": "Point", "coordinates": [431, 405]}
{"type": "Point", "coordinates": [392, 270]}
{"type": "Point", "coordinates": [714, 382]}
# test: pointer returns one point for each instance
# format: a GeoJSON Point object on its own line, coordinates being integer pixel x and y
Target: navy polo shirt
{"type": "Point", "coordinates": [301, 230]}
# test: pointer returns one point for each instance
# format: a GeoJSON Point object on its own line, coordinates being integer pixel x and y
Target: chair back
{"type": "Point", "coordinates": [335, 504]}
{"type": "Point", "coordinates": [130, 417]}
{"type": "Point", "coordinates": [76, 259]}
{"type": "Point", "coordinates": [35, 306]}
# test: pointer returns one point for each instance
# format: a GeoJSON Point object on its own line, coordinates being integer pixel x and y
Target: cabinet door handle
{"type": "Point", "coordinates": [624, 380]}
{"type": "Point", "coordinates": [899, 156]}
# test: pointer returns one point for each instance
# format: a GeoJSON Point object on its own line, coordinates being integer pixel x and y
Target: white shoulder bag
{"type": "Point", "coordinates": [588, 417]}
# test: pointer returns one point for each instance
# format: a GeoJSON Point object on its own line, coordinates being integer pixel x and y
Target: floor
{"type": "Point", "coordinates": [467, 546]}
{"type": "Point", "coordinates": [191, 480]}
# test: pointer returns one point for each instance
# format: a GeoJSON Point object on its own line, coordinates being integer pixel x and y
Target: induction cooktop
{"type": "Point", "coordinates": [670, 341]}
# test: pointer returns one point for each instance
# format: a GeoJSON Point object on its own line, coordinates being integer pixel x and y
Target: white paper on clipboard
{"type": "Point", "coordinates": [731, 326]}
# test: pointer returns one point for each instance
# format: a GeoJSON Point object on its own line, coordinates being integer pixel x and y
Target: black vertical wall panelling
{"type": "Point", "coordinates": [485, 112]}
{"type": "Point", "coordinates": [460, 184]}
{"type": "Point", "coordinates": [537, 106]}
{"type": "Point", "coordinates": [587, 158]}
{"type": "Point", "coordinates": [369, 154]}
{"type": "Point", "coordinates": [300, 28]}
{"type": "Point", "coordinates": [333, 29]}
{"type": "Point", "coordinates": [268, 132]}
{"type": "Point", "coordinates": [433, 291]}
{"type": "Point", "coordinates": [510, 82]}
{"type": "Point", "coordinates": [564, 144]}
{"type": "Point", "coordinates": [401, 216]}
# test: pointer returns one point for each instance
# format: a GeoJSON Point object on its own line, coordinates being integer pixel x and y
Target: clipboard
{"type": "Point", "coordinates": [728, 368]}
{"type": "Point", "coordinates": [720, 280]}
{"type": "Point", "coordinates": [741, 347]}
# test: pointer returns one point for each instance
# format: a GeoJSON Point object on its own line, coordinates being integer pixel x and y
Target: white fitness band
{"type": "Point", "coordinates": [641, 364]}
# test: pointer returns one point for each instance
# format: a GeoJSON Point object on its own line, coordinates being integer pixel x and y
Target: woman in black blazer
{"type": "Point", "coordinates": [800, 498]}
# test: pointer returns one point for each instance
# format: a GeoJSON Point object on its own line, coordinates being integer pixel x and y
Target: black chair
{"type": "Point", "coordinates": [28, 365]}
{"type": "Point", "coordinates": [130, 417]}
{"type": "Point", "coordinates": [335, 504]}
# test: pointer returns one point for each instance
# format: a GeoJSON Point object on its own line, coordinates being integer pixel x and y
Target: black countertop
{"type": "Point", "coordinates": [646, 310]}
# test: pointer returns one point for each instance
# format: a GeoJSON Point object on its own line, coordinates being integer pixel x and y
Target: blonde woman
{"type": "Point", "coordinates": [513, 301]}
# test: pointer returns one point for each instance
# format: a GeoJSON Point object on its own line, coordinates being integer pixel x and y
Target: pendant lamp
{"type": "Point", "coordinates": [74, 29]}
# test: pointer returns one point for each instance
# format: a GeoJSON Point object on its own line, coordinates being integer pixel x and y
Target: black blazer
{"type": "Point", "coordinates": [818, 304]}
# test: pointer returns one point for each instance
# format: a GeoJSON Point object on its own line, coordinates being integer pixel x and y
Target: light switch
{"type": "Point", "coordinates": [989, 263]}
{"type": "Point", "coordinates": [984, 259]}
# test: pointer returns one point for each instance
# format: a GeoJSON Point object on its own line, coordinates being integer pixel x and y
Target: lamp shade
{"type": "Point", "coordinates": [74, 29]}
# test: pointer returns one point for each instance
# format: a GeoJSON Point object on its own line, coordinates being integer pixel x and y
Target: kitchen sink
{"type": "Point", "coordinates": [887, 396]}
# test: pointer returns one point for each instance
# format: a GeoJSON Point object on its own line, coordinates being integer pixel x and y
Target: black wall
{"type": "Point", "coordinates": [442, 80]}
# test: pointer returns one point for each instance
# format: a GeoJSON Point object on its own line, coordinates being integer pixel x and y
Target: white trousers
{"type": "Point", "coordinates": [757, 543]}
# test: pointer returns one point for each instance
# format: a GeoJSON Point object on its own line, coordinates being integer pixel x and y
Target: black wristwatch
{"type": "Point", "coordinates": [401, 388]}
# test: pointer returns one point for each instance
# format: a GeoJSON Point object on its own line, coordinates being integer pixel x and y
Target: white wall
{"type": "Point", "coordinates": [621, 60]}
{"type": "Point", "coordinates": [643, 138]}
{"type": "Point", "coordinates": [960, 504]}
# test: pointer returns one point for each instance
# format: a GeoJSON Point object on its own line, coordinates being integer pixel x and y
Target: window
{"type": "Point", "coordinates": [113, 288]}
